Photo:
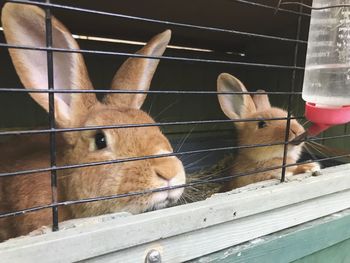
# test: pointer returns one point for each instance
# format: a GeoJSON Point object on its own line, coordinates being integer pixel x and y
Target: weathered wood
{"type": "Point", "coordinates": [205, 241]}
{"type": "Point", "coordinates": [214, 224]}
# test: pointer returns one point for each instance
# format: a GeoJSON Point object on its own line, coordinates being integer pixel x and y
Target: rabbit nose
{"type": "Point", "coordinates": [162, 176]}
{"type": "Point", "coordinates": [295, 132]}
{"type": "Point", "coordinates": [163, 173]}
{"type": "Point", "coordinates": [292, 134]}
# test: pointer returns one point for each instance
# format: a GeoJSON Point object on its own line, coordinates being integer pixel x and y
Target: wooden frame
{"type": "Point", "coordinates": [190, 231]}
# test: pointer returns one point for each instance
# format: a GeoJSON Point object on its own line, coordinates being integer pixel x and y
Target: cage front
{"type": "Point", "coordinates": [221, 107]}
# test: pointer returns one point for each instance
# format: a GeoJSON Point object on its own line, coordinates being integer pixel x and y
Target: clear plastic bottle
{"type": "Point", "coordinates": [327, 69]}
{"type": "Point", "coordinates": [326, 87]}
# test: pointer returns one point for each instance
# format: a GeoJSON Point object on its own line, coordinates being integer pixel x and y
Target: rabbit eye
{"type": "Point", "coordinates": [262, 124]}
{"type": "Point", "coordinates": [100, 140]}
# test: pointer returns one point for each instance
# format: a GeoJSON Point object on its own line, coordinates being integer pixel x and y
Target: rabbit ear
{"type": "Point", "coordinates": [235, 106]}
{"type": "Point", "coordinates": [25, 25]}
{"type": "Point", "coordinates": [137, 73]}
{"type": "Point", "coordinates": [261, 101]}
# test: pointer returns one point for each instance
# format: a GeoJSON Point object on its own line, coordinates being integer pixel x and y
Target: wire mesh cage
{"type": "Point", "coordinates": [123, 147]}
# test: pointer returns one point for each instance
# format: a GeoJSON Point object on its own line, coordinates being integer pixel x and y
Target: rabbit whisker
{"type": "Point", "coordinates": [185, 139]}
{"type": "Point", "coordinates": [309, 147]}
{"type": "Point", "coordinates": [166, 108]}
{"type": "Point", "coordinates": [305, 122]}
{"type": "Point", "coordinates": [193, 188]}
{"type": "Point", "coordinates": [150, 107]}
{"type": "Point", "coordinates": [319, 148]}
{"type": "Point", "coordinates": [197, 161]}
{"type": "Point", "coordinates": [329, 151]}
{"type": "Point", "coordinates": [309, 151]}
{"type": "Point", "coordinates": [182, 200]}
{"type": "Point", "coordinates": [190, 198]}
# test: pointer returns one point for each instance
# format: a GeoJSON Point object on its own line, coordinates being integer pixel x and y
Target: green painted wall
{"type": "Point", "coordinates": [339, 253]}
{"type": "Point", "coordinates": [325, 240]}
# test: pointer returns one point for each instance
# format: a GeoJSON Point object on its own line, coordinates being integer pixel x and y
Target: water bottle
{"type": "Point", "coordinates": [326, 88]}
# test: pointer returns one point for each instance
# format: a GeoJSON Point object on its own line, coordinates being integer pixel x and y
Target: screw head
{"type": "Point", "coordinates": [153, 256]}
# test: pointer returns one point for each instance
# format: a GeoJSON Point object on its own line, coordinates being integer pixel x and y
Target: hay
{"type": "Point", "coordinates": [222, 168]}
{"type": "Point", "coordinates": [207, 189]}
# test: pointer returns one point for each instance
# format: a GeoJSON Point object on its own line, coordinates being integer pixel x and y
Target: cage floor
{"type": "Point", "coordinates": [206, 188]}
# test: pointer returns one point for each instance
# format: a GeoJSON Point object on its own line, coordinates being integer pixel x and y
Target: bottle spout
{"type": "Point", "coordinates": [316, 128]}
{"type": "Point", "coordinates": [299, 139]}
{"type": "Point", "coordinates": [313, 130]}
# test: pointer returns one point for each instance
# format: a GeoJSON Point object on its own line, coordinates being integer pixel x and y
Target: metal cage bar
{"type": "Point", "coordinates": [121, 126]}
{"type": "Point", "coordinates": [183, 59]}
{"type": "Point", "coordinates": [50, 79]}
{"type": "Point", "coordinates": [199, 182]}
{"type": "Point", "coordinates": [169, 23]}
{"type": "Point", "coordinates": [290, 98]}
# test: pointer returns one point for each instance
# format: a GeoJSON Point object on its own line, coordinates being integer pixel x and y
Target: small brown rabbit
{"type": "Point", "coordinates": [25, 25]}
{"type": "Point", "coordinates": [238, 106]}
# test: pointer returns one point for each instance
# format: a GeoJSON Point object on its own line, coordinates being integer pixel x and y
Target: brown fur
{"type": "Point", "coordinates": [250, 159]}
{"type": "Point", "coordinates": [83, 110]}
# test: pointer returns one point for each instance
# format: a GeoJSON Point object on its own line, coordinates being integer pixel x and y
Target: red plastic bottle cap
{"type": "Point", "coordinates": [325, 117]}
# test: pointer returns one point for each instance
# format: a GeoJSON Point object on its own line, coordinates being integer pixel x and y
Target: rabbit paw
{"type": "Point", "coordinates": [307, 168]}
{"type": "Point", "coordinates": [40, 231]}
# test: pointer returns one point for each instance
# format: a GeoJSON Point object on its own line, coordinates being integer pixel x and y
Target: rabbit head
{"type": "Point", "coordinates": [25, 25]}
{"type": "Point", "coordinates": [244, 106]}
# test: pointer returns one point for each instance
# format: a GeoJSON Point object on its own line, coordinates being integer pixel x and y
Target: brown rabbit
{"type": "Point", "coordinates": [25, 25]}
{"type": "Point", "coordinates": [238, 106]}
